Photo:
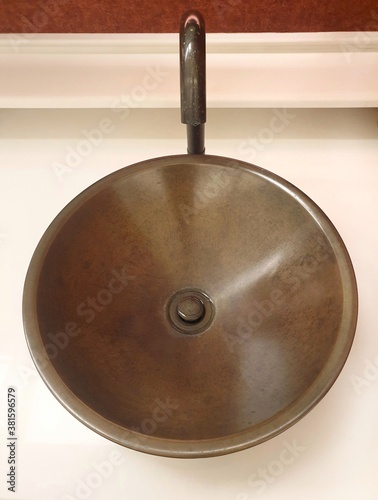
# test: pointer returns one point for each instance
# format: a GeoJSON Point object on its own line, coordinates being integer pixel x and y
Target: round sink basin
{"type": "Point", "coordinates": [190, 306]}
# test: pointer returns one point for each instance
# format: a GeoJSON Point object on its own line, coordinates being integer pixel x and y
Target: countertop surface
{"type": "Point", "coordinates": [331, 155]}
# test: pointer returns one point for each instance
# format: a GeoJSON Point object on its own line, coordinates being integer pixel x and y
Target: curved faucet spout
{"type": "Point", "coordinates": [193, 79]}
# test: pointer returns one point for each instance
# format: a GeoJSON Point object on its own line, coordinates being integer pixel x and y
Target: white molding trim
{"type": "Point", "coordinates": [142, 70]}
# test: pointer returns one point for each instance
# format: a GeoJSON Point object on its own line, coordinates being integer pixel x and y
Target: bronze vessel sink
{"type": "Point", "coordinates": [191, 305]}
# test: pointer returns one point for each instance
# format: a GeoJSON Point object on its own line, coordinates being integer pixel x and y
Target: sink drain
{"type": "Point", "coordinates": [190, 311]}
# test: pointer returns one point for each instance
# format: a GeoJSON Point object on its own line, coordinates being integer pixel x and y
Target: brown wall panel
{"type": "Point", "coordinates": [126, 16]}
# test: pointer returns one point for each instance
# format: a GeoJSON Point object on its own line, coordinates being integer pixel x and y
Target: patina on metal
{"type": "Point", "coordinates": [190, 306]}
